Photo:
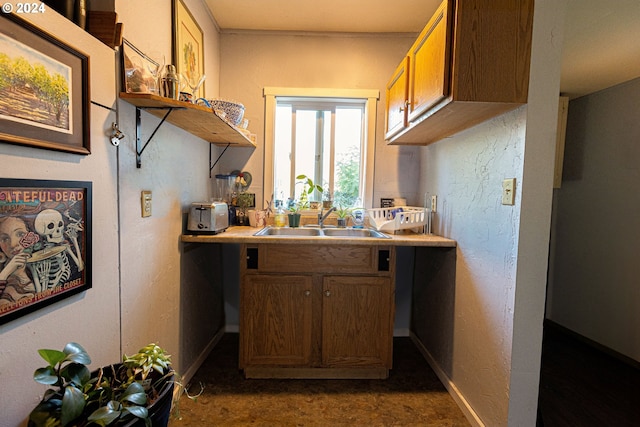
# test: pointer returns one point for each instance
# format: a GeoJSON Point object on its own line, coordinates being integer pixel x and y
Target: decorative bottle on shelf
{"type": "Point", "coordinates": [170, 87]}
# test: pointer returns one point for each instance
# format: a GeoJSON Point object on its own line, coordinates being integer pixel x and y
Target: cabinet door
{"type": "Point", "coordinates": [275, 320]}
{"type": "Point", "coordinates": [397, 99]}
{"type": "Point", "coordinates": [357, 321]}
{"type": "Point", "coordinates": [429, 64]}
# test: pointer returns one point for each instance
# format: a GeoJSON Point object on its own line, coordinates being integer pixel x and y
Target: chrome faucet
{"type": "Point", "coordinates": [321, 217]}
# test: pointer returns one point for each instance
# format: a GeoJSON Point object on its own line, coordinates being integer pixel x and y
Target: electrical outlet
{"type": "Point", "coordinates": [145, 202]}
{"type": "Point", "coordinates": [434, 203]}
{"type": "Point", "coordinates": [509, 191]}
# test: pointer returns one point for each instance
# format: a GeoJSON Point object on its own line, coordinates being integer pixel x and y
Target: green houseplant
{"type": "Point", "coordinates": [245, 201]}
{"type": "Point", "coordinates": [342, 213]}
{"type": "Point", "coordinates": [137, 391]}
{"type": "Point", "coordinates": [295, 206]}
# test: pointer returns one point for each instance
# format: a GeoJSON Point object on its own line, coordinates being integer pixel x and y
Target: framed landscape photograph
{"type": "Point", "coordinates": [44, 89]}
{"type": "Point", "coordinates": [188, 48]}
{"type": "Point", "coordinates": [45, 243]}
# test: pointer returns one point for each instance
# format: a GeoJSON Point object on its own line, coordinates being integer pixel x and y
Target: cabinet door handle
{"type": "Point", "coordinates": [327, 293]}
{"type": "Point", "coordinates": [307, 293]}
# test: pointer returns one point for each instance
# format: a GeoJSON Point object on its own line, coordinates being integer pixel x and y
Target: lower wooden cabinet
{"type": "Point", "coordinates": [357, 322]}
{"type": "Point", "coordinates": [295, 324]}
{"type": "Point", "coordinates": [277, 318]}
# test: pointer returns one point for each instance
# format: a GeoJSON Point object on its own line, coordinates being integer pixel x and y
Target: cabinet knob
{"type": "Point", "coordinates": [327, 293]}
{"type": "Point", "coordinates": [307, 293]}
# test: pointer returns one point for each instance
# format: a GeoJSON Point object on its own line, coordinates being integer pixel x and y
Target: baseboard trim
{"type": "Point", "coordinates": [186, 377]}
{"type": "Point", "coordinates": [401, 332]}
{"type": "Point", "coordinates": [462, 403]}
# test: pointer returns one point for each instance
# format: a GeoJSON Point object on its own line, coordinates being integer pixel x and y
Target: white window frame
{"type": "Point", "coordinates": [370, 95]}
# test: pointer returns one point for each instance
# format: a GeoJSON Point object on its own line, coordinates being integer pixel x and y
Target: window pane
{"type": "Point", "coordinates": [306, 133]}
{"type": "Point", "coordinates": [348, 155]}
{"type": "Point", "coordinates": [282, 153]}
{"type": "Point", "coordinates": [324, 177]}
{"type": "Point", "coordinates": [322, 140]}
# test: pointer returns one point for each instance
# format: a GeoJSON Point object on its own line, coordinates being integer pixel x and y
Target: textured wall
{"type": "Point", "coordinates": [466, 172]}
{"type": "Point", "coordinates": [493, 362]}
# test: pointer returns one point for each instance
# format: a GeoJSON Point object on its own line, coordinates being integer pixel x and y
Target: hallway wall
{"type": "Point", "coordinates": [593, 287]}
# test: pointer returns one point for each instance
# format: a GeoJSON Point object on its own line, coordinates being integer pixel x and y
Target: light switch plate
{"type": "Point", "coordinates": [145, 202]}
{"type": "Point", "coordinates": [509, 191]}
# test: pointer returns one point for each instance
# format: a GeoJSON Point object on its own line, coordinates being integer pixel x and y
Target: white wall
{"type": "Point", "coordinates": [147, 286]}
{"type": "Point", "coordinates": [593, 289]}
{"type": "Point", "coordinates": [175, 168]}
{"type": "Point", "coordinates": [252, 61]}
{"type": "Point", "coordinates": [90, 318]}
{"type": "Point", "coordinates": [493, 363]}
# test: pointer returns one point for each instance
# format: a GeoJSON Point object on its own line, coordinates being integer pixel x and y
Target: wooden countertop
{"type": "Point", "coordinates": [246, 235]}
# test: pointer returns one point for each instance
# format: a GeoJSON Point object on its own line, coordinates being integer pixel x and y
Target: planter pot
{"type": "Point", "coordinates": [342, 222]}
{"type": "Point", "coordinates": [294, 220]}
{"type": "Point", "coordinates": [160, 409]}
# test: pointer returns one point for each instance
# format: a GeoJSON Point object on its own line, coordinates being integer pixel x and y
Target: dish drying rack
{"type": "Point", "coordinates": [398, 218]}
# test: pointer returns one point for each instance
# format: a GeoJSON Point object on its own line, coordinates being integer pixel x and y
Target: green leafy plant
{"type": "Point", "coordinates": [308, 188]}
{"type": "Point", "coordinates": [245, 200]}
{"type": "Point", "coordinates": [147, 360]}
{"type": "Point", "coordinates": [112, 394]}
{"type": "Point", "coordinates": [342, 212]}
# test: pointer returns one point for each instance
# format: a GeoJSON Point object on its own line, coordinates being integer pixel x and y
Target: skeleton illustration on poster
{"type": "Point", "coordinates": [45, 229]}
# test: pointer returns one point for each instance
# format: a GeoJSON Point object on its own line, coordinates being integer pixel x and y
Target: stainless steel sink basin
{"type": "Point", "coordinates": [319, 232]}
{"type": "Point", "coordinates": [354, 232]}
{"type": "Point", "coordinates": [286, 231]}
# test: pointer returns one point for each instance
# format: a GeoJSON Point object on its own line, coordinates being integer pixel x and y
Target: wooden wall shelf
{"type": "Point", "coordinates": [200, 121]}
{"type": "Point", "coordinates": [195, 119]}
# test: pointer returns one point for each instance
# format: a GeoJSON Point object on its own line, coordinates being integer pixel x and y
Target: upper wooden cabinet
{"type": "Point", "coordinates": [470, 63]}
{"type": "Point", "coordinates": [397, 93]}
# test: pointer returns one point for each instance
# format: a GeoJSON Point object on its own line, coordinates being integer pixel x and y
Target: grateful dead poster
{"type": "Point", "coordinates": [45, 243]}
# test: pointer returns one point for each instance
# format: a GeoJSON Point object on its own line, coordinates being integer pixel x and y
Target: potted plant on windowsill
{"type": "Point", "coordinates": [342, 213]}
{"type": "Point", "coordinates": [136, 392]}
{"type": "Point", "coordinates": [303, 202]}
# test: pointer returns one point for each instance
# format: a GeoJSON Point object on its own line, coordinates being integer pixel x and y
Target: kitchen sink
{"type": "Point", "coordinates": [320, 232]}
{"type": "Point", "coordinates": [354, 232]}
{"type": "Point", "coordinates": [286, 231]}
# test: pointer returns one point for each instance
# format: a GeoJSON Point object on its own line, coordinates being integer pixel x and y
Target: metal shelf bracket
{"type": "Point", "coordinates": [139, 147]}
{"type": "Point", "coordinates": [211, 166]}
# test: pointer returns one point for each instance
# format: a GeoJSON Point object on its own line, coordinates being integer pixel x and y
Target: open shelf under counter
{"type": "Point", "coordinates": [196, 119]}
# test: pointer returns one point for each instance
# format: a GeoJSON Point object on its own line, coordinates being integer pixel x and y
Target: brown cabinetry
{"type": "Point", "coordinates": [397, 100]}
{"type": "Point", "coordinates": [470, 63]}
{"type": "Point", "coordinates": [316, 311]}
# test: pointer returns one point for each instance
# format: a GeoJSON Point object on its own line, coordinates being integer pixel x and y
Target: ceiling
{"type": "Point", "coordinates": [601, 46]}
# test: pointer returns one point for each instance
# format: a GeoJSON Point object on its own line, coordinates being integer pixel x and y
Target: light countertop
{"type": "Point", "coordinates": [238, 234]}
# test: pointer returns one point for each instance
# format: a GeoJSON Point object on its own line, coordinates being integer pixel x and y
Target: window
{"type": "Point", "coordinates": [325, 134]}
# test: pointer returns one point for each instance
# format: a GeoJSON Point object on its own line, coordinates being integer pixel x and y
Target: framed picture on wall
{"type": "Point", "coordinates": [44, 89]}
{"type": "Point", "coordinates": [188, 48]}
{"type": "Point", "coordinates": [45, 243]}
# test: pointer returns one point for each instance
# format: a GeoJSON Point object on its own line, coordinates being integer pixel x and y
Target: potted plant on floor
{"type": "Point", "coordinates": [136, 392]}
